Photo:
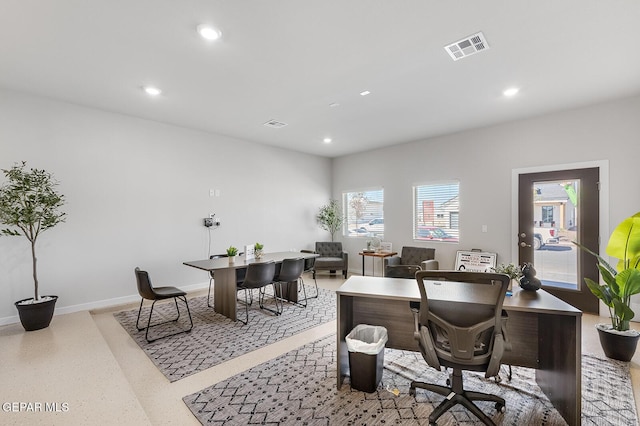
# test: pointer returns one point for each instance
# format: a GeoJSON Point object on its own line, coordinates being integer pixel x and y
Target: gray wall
{"type": "Point", "coordinates": [483, 161]}
{"type": "Point", "coordinates": [136, 194]}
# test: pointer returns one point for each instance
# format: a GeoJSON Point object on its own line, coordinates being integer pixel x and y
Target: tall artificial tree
{"type": "Point", "coordinates": [330, 217]}
{"type": "Point", "coordinates": [29, 205]}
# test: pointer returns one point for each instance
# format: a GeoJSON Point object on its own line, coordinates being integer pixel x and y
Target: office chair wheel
{"type": "Point", "coordinates": [433, 424]}
{"type": "Point", "coordinates": [500, 407]}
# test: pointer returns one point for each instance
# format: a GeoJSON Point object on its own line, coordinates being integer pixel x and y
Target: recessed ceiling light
{"type": "Point", "coordinates": [365, 93]}
{"type": "Point", "coordinates": [326, 140]}
{"type": "Point", "coordinates": [151, 90]}
{"type": "Point", "coordinates": [512, 91]}
{"type": "Point", "coordinates": [208, 32]}
{"type": "Point", "coordinates": [334, 104]}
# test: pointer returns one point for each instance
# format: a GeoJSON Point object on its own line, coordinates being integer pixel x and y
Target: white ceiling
{"type": "Point", "coordinates": [288, 60]}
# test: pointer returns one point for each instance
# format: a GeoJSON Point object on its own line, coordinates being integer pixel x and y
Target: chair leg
{"type": "Point", "coordinates": [302, 302]}
{"type": "Point", "coordinates": [138, 320]}
{"type": "Point", "coordinates": [304, 291]}
{"type": "Point", "coordinates": [457, 395]}
{"type": "Point", "coordinates": [277, 311]}
{"type": "Point", "coordinates": [148, 327]}
{"type": "Point", "coordinates": [246, 308]}
{"type": "Point", "coordinates": [316, 283]}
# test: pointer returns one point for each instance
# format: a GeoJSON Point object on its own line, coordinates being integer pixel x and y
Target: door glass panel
{"type": "Point", "coordinates": [555, 222]}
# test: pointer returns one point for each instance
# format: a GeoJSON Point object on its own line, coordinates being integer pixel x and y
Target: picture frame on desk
{"type": "Point", "coordinates": [385, 246]}
{"type": "Point", "coordinates": [249, 252]}
{"type": "Point", "coordinates": [475, 261]}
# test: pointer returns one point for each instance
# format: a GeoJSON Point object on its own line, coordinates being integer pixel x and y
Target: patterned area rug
{"type": "Point", "coordinates": [299, 388]}
{"type": "Point", "coordinates": [215, 338]}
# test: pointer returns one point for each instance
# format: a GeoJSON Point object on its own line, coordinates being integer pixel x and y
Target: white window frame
{"type": "Point", "coordinates": [442, 217]}
{"type": "Point", "coordinates": [374, 212]}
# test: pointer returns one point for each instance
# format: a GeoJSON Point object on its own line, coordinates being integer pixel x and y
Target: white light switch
{"type": "Point", "coordinates": [484, 228]}
{"type": "Point", "coordinates": [212, 193]}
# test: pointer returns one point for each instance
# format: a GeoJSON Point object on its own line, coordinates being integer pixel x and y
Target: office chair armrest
{"type": "Point", "coordinates": [496, 356]}
{"type": "Point", "coordinates": [428, 348]}
{"type": "Point", "coordinates": [430, 265]}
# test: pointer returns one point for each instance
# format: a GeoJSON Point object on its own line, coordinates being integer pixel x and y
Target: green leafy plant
{"type": "Point", "coordinates": [512, 270]}
{"type": "Point", "coordinates": [232, 251]}
{"type": "Point", "coordinates": [623, 281]}
{"type": "Point", "coordinates": [258, 246]}
{"type": "Point", "coordinates": [29, 205]}
{"type": "Point", "coordinates": [330, 217]}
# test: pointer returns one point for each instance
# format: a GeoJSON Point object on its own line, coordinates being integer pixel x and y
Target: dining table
{"type": "Point", "coordinates": [224, 272]}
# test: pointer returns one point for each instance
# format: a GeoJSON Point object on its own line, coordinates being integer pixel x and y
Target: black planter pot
{"type": "Point", "coordinates": [618, 346]}
{"type": "Point", "coordinates": [36, 316]}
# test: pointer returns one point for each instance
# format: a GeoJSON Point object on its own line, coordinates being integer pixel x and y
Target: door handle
{"type": "Point", "coordinates": [523, 244]}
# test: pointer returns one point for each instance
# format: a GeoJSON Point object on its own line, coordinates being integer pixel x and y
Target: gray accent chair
{"type": "Point", "coordinates": [474, 341]}
{"type": "Point", "coordinates": [331, 258]}
{"type": "Point", "coordinates": [422, 257]}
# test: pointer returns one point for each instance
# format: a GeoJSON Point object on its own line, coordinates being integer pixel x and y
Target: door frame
{"type": "Point", "coordinates": [603, 166]}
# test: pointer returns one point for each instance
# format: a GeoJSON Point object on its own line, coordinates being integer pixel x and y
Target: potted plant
{"type": "Point", "coordinates": [512, 270]}
{"type": "Point", "coordinates": [231, 253]}
{"type": "Point", "coordinates": [330, 217]}
{"type": "Point", "coordinates": [258, 250]}
{"type": "Point", "coordinates": [29, 205]}
{"type": "Point", "coordinates": [620, 283]}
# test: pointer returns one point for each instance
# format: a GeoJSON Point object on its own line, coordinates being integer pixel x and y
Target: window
{"type": "Point", "coordinates": [364, 213]}
{"type": "Point", "coordinates": [436, 212]}
{"type": "Point", "coordinates": [547, 214]}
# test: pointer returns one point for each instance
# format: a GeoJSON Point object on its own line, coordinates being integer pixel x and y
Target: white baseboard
{"type": "Point", "coordinates": [100, 304]}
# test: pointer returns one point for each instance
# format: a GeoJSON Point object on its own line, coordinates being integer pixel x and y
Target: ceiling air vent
{"type": "Point", "coordinates": [467, 46]}
{"type": "Point", "coordinates": [275, 124]}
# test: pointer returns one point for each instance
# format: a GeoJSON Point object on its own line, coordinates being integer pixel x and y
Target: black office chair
{"type": "Point", "coordinates": [309, 263]}
{"type": "Point", "coordinates": [147, 291]}
{"type": "Point", "coordinates": [291, 270]}
{"type": "Point", "coordinates": [240, 272]}
{"type": "Point", "coordinates": [472, 341]}
{"type": "Point", "coordinates": [258, 276]}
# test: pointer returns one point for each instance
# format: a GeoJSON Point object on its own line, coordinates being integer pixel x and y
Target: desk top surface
{"type": "Point", "coordinates": [407, 289]}
{"type": "Point", "coordinates": [242, 262]}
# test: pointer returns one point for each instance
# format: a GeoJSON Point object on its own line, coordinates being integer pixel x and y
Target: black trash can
{"type": "Point", "coordinates": [366, 356]}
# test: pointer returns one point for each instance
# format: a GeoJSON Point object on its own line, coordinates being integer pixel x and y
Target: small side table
{"type": "Point", "coordinates": [374, 254]}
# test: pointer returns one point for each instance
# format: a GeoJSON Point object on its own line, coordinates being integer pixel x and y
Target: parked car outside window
{"type": "Point", "coordinates": [433, 233]}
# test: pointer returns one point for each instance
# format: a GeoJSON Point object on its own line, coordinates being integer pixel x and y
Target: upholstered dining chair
{"type": "Point", "coordinates": [474, 341]}
{"type": "Point", "coordinates": [331, 258]}
{"type": "Point", "coordinates": [258, 276]}
{"type": "Point", "coordinates": [422, 257]}
{"type": "Point", "coordinates": [290, 270]}
{"type": "Point", "coordinates": [148, 292]}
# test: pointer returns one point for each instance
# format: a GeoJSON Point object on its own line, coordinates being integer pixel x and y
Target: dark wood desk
{"type": "Point", "coordinates": [374, 254]}
{"type": "Point", "coordinates": [224, 289]}
{"type": "Point", "coordinates": [546, 333]}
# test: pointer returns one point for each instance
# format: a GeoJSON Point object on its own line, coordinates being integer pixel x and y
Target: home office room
{"type": "Point", "coordinates": [352, 155]}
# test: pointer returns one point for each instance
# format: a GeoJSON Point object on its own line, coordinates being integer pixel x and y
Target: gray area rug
{"type": "Point", "coordinates": [215, 338]}
{"type": "Point", "coordinates": [299, 388]}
